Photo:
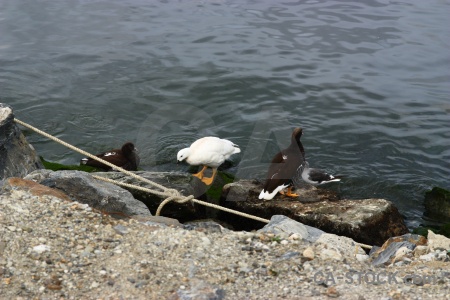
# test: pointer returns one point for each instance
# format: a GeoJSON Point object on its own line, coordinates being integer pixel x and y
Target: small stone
{"type": "Point", "coordinates": [41, 248]}
{"type": "Point", "coordinates": [330, 254]}
{"type": "Point", "coordinates": [332, 292]}
{"type": "Point", "coordinates": [428, 257]}
{"type": "Point", "coordinates": [284, 242]}
{"type": "Point", "coordinates": [206, 241]}
{"type": "Point", "coordinates": [420, 250]}
{"type": "Point", "coordinates": [294, 237]}
{"type": "Point", "coordinates": [12, 228]}
{"type": "Point", "coordinates": [308, 253]}
{"type": "Point", "coordinates": [120, 229]}
{"type": "Point", "coordinates": [94, 285]}
{"type": "Point", "coordinates": [442, 256]}
{"type": "Point", "coordinates": [362, 257]}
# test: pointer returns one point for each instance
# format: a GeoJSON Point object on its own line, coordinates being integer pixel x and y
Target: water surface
{"type": "Point", "coordinates": [367, 80]}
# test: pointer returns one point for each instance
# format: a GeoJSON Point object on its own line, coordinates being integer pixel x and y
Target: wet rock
{"type": "Point", "coordinates": [437, 203]}
{"type": "Point", "coordinates": [368, 221]}
{"type": "Point", "coordinates": [82, 187]}
{"type": "Point", "coordinates": [17, 156]}
{"type": "Point", "coordinates": [388, 253]}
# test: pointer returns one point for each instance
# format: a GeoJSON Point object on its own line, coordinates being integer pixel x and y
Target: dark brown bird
{"type": "Point", "coordinates": [284, 167]}
{"type": "Point", "coordinates": [126, 158]}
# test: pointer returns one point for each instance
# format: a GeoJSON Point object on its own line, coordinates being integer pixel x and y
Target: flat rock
{"type": "Point", "coordinates": [17, 156]}
{"type": "Point", "coordinates": [368, 221]}
{"type": "Point", "coordinates": [82, 187]}
{"type": "Point", "coordinates": [282, 225]}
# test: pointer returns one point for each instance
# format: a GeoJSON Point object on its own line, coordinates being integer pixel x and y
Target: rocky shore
{"type": "Point", "coordinates": [66, 235]}
{"type": "Point", "coordinates": [53, 248]}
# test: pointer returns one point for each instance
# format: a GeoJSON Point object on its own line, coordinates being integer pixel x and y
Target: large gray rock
{"type": "Point", "coordinates": [368, 221]}
{"type": "Point", "coordinates": [82, 187]}
{"type": "Point", "coordinates": [182, 182]}
{"type": "Point", "coordinates": [17, 156]}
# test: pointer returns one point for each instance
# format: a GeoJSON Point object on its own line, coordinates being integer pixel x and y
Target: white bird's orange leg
{"type": "Point", "coordinates": [199, 175]}
{"type": "Point", "coordinates": [208, 181]}
{"type": "Point", "coordinates": [289, 193]}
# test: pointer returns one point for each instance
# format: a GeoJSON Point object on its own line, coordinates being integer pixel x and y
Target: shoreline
{"type": "Point", "coordinates": [52, 248]}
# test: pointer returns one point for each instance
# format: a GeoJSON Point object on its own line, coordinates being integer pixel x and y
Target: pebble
{"type": "Point", "coordinates": [428, 257]}
{"type": "Point", "coordinates": [41, 248]}
{"type": "Point", "coordinates": [331, 254]}
{"type": "Point", "coordinates": [294, 236]}
{"type": "Point", "coordinates": [362, 257]}
{"type": "Point", "coordinates": [308, 253]}
{"type": "Point", "coordinates": [420, 250]}
{"type": "Point", "coordinates": [120, 229]}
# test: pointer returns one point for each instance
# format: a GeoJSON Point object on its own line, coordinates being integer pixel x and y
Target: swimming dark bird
{"type": "Point", "coordinates": [316, 176]}
{"type": "Point", "coordinates": [208, 152]}
{"type": "Point", "coordinates": [284, 167]}
{"type": "Point", "coordinates": [126, 158]}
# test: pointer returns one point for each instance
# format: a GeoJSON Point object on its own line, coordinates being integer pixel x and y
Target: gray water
{"type": "Point", "coordinates": [369, 81]}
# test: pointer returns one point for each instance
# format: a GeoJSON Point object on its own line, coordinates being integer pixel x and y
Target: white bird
{"type": "Point", "coordinates": [208, 152]}
{"type": "Point", "coordinates": [316, 176]}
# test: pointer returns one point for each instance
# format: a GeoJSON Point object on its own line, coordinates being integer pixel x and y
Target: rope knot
{"type": "Point", "coordinates": [173, 193]}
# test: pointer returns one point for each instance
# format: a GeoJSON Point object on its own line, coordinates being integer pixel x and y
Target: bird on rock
{"type": "Point", "coordinates": [283, 168]}
{"type": "Point", "coordinates": [316, 176]}
{"type": "Point", "coordinates": [126, 158]}
{"type": "Point", "coordinates": [208, 152]}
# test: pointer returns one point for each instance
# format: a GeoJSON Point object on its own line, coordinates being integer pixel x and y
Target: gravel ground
{"type": "Point", "coordinates": [54, 249]}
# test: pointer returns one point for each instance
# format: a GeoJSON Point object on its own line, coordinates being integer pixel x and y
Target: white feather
{"type": "Point", "coordinates": [269, 196]}
{"type": "Point", "coordinates": [208, 151]}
